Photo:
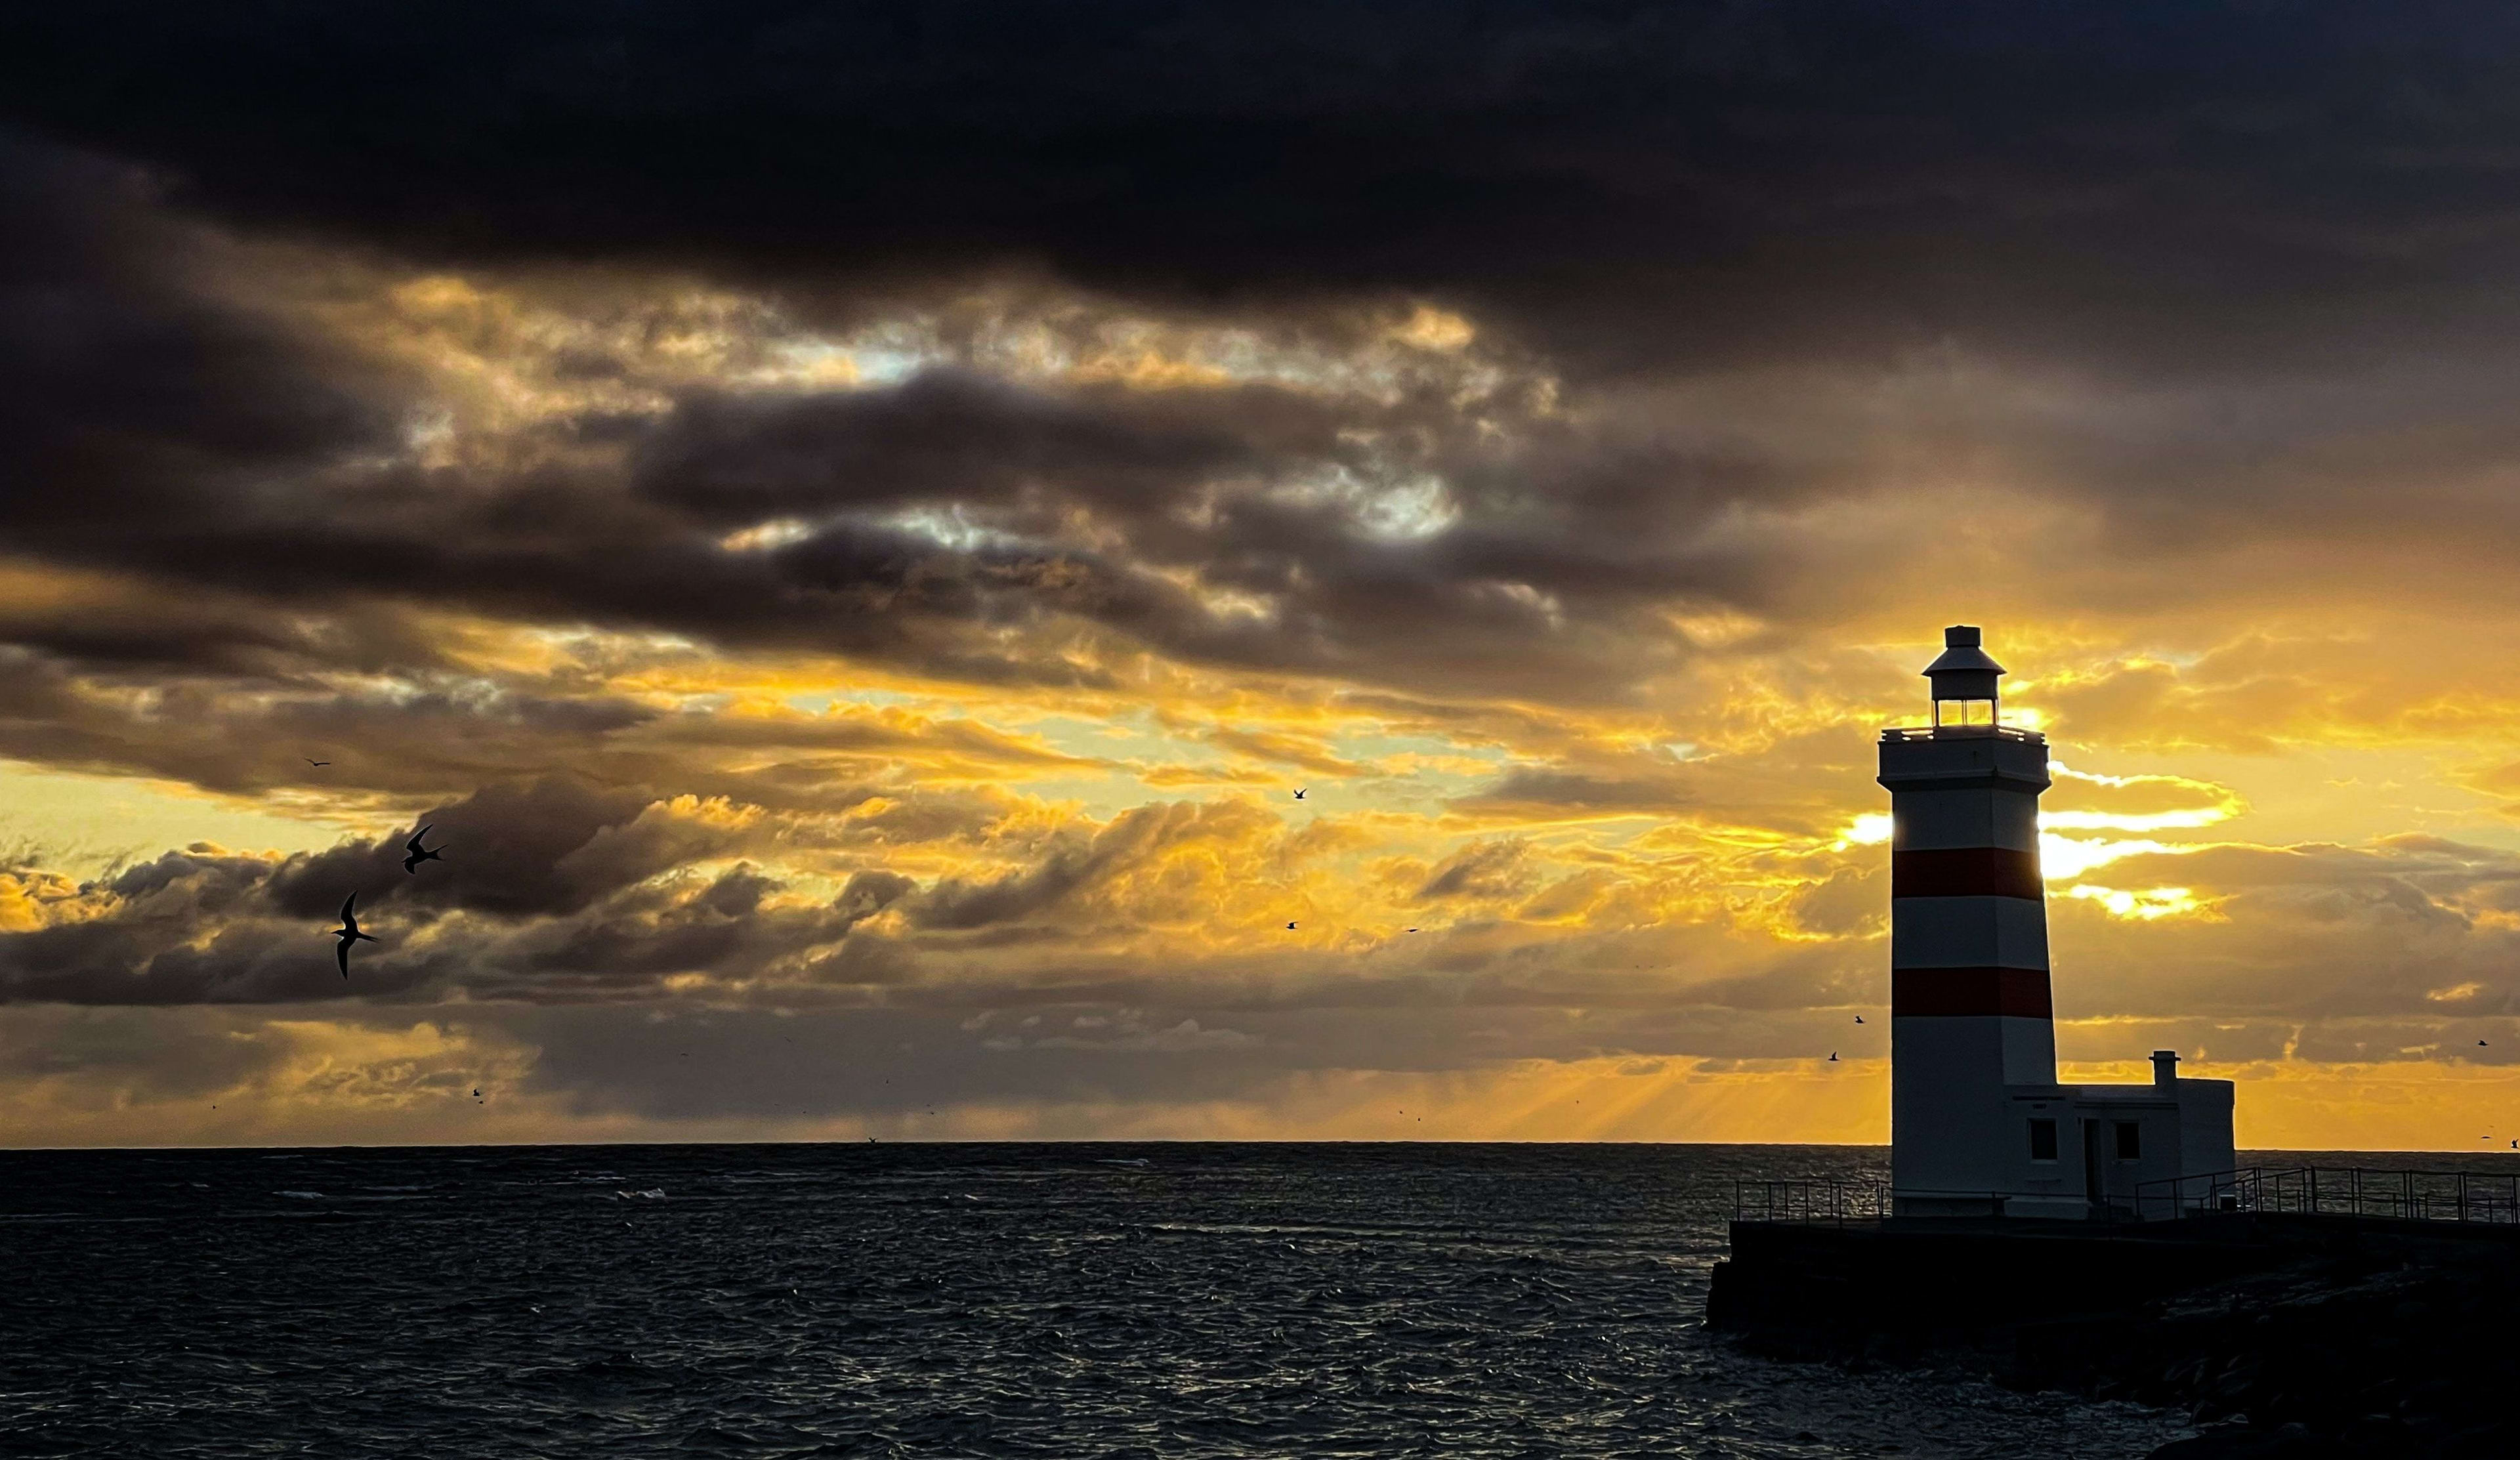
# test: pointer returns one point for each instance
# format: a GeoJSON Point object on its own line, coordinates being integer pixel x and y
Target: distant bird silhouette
{"type": "Point", "coordinates": [476, 1093]}
{"type": "Point", "coordinates": [2480, 1044]}
{"type": "Point", "coordinates": [1299, 793]}
{"type": "Point", "coordinates": [1291, 927]}
{"type": "Point", "coordinates": [1832, 1054]}
{"type": "Point", "coordinates": [313, 762]}
{"type": "Point", "coordinates": [1413, 930]}
{"type": "Point", "coordinates": [1859, 1018]}
{"type": "Point", "coordinates": [418, 853]}
{"type": "Point", "coordinates": [348, 932]}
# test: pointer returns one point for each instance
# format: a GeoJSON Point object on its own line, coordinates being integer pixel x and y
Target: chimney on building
{"type": "Point", "coordinates": [2165, 1067]}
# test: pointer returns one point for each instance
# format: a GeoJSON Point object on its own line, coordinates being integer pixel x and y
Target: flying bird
{"type": "Point", "coordinates": [310, 760]}
{"type": "Point", "coordinates": [1291, 927]}
{"type": "Point", "coordinates": [418, 854]}
{"type": "Point", "coordinates": [2480, 1044]}
{"type": "Point", "coordinates": [1832, 1054]}
{"type": "Point", "coordinates": [1859, 1018]}
{"type": "Point", "coordinates": [348, 932]}
{"type": "Point", "coordinates": [1299, 793]}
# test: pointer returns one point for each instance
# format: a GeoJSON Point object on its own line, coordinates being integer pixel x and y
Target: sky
{"type": "Point", "coordinates": [853, 521]}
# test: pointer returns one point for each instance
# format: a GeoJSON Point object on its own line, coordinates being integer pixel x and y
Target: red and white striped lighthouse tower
{"type": "Point", "coordinates": [1969, 1009]}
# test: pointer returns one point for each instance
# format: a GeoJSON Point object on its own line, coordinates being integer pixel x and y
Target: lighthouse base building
{"type": "Point", "coordinates": [1978, 1123]}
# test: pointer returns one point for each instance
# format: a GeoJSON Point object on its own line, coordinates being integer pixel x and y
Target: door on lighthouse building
{"type": "Point", "coordinates": [2095, 1169]}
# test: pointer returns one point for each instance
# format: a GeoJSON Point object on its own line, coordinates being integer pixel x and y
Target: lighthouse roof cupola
{"type": "Point", "coordinates": [1964, 678]}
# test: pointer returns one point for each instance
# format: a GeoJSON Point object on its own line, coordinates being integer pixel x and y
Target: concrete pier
{"type": "Point", "coordinates": [2289, 1336]}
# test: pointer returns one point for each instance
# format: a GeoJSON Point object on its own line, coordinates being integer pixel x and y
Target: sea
{"type": "Point", "coordinates": [899, 1300]}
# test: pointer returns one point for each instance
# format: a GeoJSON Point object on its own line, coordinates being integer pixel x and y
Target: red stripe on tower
{"type": "Point", "coordinates": [2017, 992]}
{"type": "Point", "coordinates": [1966, 873]}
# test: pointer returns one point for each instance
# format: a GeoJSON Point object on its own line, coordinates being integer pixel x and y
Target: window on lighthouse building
{"type": "Point", "coordinates": [2043, 1140]}
{"type": "Point", "coordinates": [2130, 1141]}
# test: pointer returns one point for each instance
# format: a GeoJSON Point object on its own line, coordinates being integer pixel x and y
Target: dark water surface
{"type": "Point", "coordinates": [931, 1300]}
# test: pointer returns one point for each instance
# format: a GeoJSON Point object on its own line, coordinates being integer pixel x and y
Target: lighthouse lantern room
{"type": "Point", "coordinates": [1978, 1123]}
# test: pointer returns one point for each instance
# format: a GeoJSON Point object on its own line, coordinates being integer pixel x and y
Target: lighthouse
{"type": "Point", "coordinates": [1979, 1125]}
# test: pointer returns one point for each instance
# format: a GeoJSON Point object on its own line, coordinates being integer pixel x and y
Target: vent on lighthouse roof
{"type": "Point", "coordinates": [1962, 671]}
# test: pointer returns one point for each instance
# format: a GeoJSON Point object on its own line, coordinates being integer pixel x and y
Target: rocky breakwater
{"type": "Point", "coordinates": [2286, 1339]}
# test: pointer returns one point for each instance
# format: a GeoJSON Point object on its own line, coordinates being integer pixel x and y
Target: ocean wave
{"type": "Point", "coordinates": [894, 1299]}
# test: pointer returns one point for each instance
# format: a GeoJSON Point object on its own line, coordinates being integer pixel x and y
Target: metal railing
{"type": "Point", "coordinates": [1812, 1203]}
{"type": "Point", "coordinates": [1964, 732]}
{"type": "Point", "coordinates": [2339, 1191]}
{"type": "Point", "coordinates": [2313, 1190]}
{"type": "Point", "coordinates": [1827, 1203]}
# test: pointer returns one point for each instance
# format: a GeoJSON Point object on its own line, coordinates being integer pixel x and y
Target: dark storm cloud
{"type": "Point", "coordinates": [943, 435]}
{"type": "Point", "coordinates": [1534, 790]}
{"type": "Point", "coordinates": [163, 426]}
{"type": "Point", "coordinates": [1075, 862]}
{"type": "Point", "coordinates": [1482, 869]}
{"type": "Point", "coordinates": [204, 926]}
{"type": "Point", "coordinates": [129, 387]}
{"type": "Point", "coordinates": [258, 729]}
{"type": "Point", "coordinates": [1772, 173]}
{"type": "Point", "coordinates": [546, 846]}
{"type": "Point", "coordinates": [1215, 483]}
{"type": "Point", "coordinates": [1615, 189]}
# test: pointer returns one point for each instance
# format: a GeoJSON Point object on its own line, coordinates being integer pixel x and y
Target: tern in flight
{"type": "Point", "coordinates": [418, 853]}
{"type": "Point", "coordinates": [1832, 1054]}
{"type": "Point", "coordinates": [348, 932]}
{"type": "Point", "coordinates": [1299, 793]}
{"type": "Point", "coordinates": [310, 760]}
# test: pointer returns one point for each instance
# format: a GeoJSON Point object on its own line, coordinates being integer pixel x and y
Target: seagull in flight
{"type": "Point", "coordinates": [1291, 927]}
{"type": "Point", "coordinates": [1299, 793]}
{"type": "Point", "coordinates": [418, 854]}
{"type": "Point", "coordinates": [348, 932]}
{"type": "Point", "coordinates": [1832, 1054]}
{"type": "Point", "coordinates": [310, 760]}
{"type": "Point", "coordinates": [1859, 1018]}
